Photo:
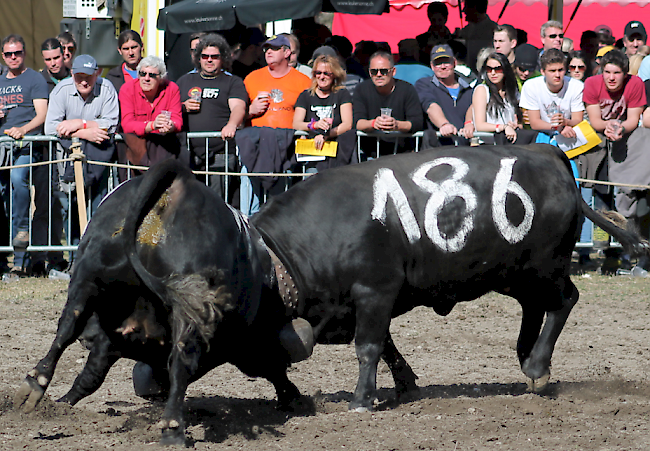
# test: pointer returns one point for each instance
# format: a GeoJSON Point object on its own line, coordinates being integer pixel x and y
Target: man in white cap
{"type": "Point", "coordinates": [86, 107]}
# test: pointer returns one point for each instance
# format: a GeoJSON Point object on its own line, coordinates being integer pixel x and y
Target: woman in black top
{"type": "Point", "coordinates": [325, 109]}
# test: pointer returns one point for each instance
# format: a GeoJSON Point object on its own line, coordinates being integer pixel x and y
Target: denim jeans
{"type": "Point", "coordinates": [250, 192]}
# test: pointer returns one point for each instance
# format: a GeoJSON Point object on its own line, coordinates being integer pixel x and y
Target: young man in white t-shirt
{"type": "Point", "coordinates": [553, 101]}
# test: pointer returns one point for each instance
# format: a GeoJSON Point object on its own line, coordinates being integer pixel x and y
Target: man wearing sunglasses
{"type": "Point", "coordinates": [274, 89]}
{"type": "Point", "coordinates": [25, 92]}
{"type": "Point", "coordinates": [68, 46]}
{"type": "Point", "coordinates": [213, 100]}
{"type": "Point", "coordinates": [396, 99]}
{"type": "Point", "coordinates": [552, 37]}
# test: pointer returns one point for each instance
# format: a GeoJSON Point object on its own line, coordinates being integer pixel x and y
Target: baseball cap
{"type": "Point", "coordinates": [323, 50]}
{"type": "Point", "coordinates": [603, 29]}
{"type": "Point", "coordinates": [526, 56]}
{"type": "Point", "coordinates": [441, 51]}
{"type": "Point", "coordinates": [84, 64]}
{"type": "Point", "coordinates": [635, 27]}
{"type": "Point", "coordinates": [603, 50]}
{"type": "Point", "coordinates": [277, 41]}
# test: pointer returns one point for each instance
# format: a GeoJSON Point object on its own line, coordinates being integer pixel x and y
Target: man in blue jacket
{"type": "Point", "coordinates": [446, 99]}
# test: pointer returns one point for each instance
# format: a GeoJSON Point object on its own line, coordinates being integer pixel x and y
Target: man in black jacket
{"type": "Point", "coordinates": [384, 104]}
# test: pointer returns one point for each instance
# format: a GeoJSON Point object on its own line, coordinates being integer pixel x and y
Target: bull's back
{"type": "Point", "coordinates": [455, 214]}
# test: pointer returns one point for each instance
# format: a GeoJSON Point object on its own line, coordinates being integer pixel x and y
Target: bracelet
{"type": "Point", "coordinates": [310, 126]}
{"type": "Point", "coordinates": [496, 128]}
{"type": "Point", "coordinates": [85, 126]}
{"type": "Point", "coordinates": [468, 122]}
{"type": "Point", "coordinates": [372, 124]}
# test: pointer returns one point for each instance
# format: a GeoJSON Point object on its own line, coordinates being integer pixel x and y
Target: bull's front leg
{"type": "Point", "coordinates": [372, 323]}
{"type": "Point", "coordinates": [73, 319]}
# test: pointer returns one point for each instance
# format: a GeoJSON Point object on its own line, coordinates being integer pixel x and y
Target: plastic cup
{"type": "Point", "coordinates": [196, 95]}
{"type": "Point", "coordinates": [388, 112]}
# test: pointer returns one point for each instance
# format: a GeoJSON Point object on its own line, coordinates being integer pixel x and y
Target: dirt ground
{"type": "Point", "coordinates": [473, 394]}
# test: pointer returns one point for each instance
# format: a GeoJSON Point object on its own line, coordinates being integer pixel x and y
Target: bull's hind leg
{"type": "Point", "coordinates": [536, 349]}
{"type": "Point", "coordinates": [72, 322]}
{"type": "Point", "coordinates": [100, 360]}
{"type": "Point", "coordinates": [403, 375]}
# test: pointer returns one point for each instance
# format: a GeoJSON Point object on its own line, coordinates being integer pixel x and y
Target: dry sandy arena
{"type": "Point", "coordinates": [473, 395]}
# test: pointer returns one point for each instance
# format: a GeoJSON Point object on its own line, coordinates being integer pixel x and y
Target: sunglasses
{"type": "Point", "coordinates": [144, 74]}
{"type": "Point", "coordinates": [553, 36]}
{"type": "Point", "coordinates": [205, 56]}
{"type": "Point", "coordinates": [382, 71]}
{"type": "Point", "coordinates": [442, 62]}
{"type": "Point", "coordinates": [580, 68]}
{"type": "Point", "coordinates": [273, 47]}
{"type": "Point", "coordinates": [495, 69]}
{"type": "Point", "coordinates": [318, 72]}
{"type": "Point", "coordinates": [69, 48]}
{"type": "Point", "coordinates": [17, 53]}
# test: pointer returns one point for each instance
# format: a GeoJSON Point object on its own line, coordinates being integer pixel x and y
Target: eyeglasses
{"type": "Point", "coordinates": [318, 72]}
{"type": "Point", "coordinates": [144, 74]}
{"type": "Point", "coordinates": [580, 68]}
{"type": "Point", "coordinates": [205, 56]}
{"type": "Point", "coordinates": [553, 36]}
{"type": "Point", "coordinates": [17, 54]}
{"type": "Point", "coordinates": [382, 71]}
{"type": "Point", "coordinates": [495, 69]}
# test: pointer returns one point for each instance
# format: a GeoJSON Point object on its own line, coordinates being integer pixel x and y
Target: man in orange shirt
{"type": "Point", "coordinates": [274, 89]}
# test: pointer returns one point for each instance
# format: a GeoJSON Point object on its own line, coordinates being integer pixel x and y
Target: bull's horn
{"type": "Point", "coordinates": [297, 338]}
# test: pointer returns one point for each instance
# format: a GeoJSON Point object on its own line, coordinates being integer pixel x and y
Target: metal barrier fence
{"type": "Point", "coordinates": [52, 200]}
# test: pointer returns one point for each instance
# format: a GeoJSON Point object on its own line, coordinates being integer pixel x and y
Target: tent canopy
{"type": "Point", "coordinates": [205, 15]}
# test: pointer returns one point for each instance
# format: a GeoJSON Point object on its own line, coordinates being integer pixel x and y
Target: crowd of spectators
{"type": "Point", "coordinates": [257, 91]}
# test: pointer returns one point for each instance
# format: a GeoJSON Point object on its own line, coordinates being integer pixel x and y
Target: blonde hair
{"type": "Point", "coordinates": [337, 71]}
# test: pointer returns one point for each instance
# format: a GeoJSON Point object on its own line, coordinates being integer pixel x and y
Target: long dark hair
{"type": "Point", "coordinates": [579, 54]}
{"type": "Point", "coordinates": [496, 104]}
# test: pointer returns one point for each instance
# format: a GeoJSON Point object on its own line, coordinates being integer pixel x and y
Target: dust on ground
{"type": "Point", "coordinates": [473, 394]}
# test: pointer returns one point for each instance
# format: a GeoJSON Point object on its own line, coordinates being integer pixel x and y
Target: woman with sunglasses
{"type": "Point", "coordinates": [325, 109]}
{"type": "Point", "coordinates": [496, 103]}
{"type": "Point", "coordinates": [579, 66]}
{"type": "Point", "coordinates": [151, 115]}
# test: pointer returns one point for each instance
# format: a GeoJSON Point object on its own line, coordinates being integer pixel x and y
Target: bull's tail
{"type": "Point", "coordinates": [197, 301]}
{"type": "Point", "coordinates": [620, 228]}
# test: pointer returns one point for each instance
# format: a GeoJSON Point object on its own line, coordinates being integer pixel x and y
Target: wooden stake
{"type": "Point", "coordinates": [81, 189]}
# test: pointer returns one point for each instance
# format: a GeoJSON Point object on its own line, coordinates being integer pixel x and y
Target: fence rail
{"type": "Point", "coordinates": [54, 198]}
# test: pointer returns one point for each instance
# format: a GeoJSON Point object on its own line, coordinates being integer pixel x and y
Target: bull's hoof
{"type": "Point", "coordinates": [361, 406]}
{"type": "Point", "coordinates": [540, 384]}
{"type": "Point", "coordinates": [29, 394]}
{"type": "Point", "coordinates": [173, 434]}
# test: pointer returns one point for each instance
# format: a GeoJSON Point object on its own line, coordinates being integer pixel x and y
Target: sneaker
{"type": "Point", "coordinates": [21, 241]}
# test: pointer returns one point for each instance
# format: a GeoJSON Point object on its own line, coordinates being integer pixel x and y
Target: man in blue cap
{"type": "Point", "coordinates": [86, 107]}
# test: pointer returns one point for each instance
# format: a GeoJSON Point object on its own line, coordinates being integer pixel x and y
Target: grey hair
{"type": "Point", "coordinates": [153, 61]}
{"type": "Point", "coordinates": [549, 24]}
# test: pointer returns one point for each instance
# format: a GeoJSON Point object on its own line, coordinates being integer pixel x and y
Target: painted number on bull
{"type": "Point", "coordinates": [386, 187]}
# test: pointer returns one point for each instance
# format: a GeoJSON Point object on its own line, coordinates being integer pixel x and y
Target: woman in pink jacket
{"type": "Point", "coordinates": [151, 115]}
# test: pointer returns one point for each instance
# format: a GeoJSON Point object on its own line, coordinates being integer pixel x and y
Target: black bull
{"type": "Point", "coordinates": [178, 280]}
